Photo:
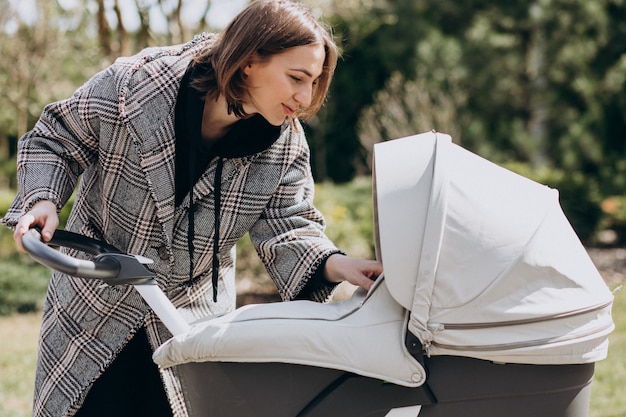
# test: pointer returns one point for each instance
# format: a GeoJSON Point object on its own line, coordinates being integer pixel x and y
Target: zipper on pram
{"type": "Point", "coordinates": [529, 343]}
{"type": "Point", "coordinates": [440, 327]}
{"type": "Point", "coordinates": [486, 325]}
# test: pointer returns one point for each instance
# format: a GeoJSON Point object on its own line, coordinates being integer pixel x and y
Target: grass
{"type": "Point", "coordinates": [608, 397]}
{"type": "Point", "coordinates": [18, 352]}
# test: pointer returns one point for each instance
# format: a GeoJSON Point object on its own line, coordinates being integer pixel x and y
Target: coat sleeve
{"type": "Point", "coordinates": [289, 237]}
{"type": "Point", "coordinates": [61, 145]}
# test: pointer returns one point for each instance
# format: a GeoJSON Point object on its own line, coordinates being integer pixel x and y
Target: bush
{"type": "Point", "coordinates": [614, 220]}
{"type": "Point", "coordinates": [23, 281]}
{"type": "Point", "coordinates": [349, 216]}
{"type": "Point", "coordinates": [22, 287]}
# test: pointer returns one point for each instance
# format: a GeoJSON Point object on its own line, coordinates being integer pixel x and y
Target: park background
{"type": "Point", "coordinates": [536, 86]}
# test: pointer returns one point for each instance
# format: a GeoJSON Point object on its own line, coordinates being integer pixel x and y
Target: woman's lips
{"type": "Point", "coordinates": [288, 110]}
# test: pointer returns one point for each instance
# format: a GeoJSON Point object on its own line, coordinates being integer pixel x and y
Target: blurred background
{"type": "Point", "coordinates": [536, 86]}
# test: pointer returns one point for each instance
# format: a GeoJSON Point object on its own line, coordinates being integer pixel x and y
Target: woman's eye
{"type": "Point", "coordinates": [296, 79]}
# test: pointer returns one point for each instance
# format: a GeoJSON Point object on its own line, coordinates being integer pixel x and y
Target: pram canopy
{"type": "Point", "coordinates": [485, 259]}
{"type": "Point", "coordinates": [479, 262]}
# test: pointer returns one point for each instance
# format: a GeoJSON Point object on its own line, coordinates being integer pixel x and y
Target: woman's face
{"type": "Point", "coordinates": [279, 86]}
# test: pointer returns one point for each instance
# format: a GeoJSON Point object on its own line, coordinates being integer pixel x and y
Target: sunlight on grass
{"type": "Point", "coordinates": [18, 353]}
{"type": "Point", "coordinates": [608, 397]}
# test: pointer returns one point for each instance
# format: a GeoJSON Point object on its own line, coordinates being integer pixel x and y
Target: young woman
{"type": "Point", "coordinates": [178, 151]}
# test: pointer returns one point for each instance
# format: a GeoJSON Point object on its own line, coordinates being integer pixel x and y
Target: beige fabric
{"type": "Point", "coordinates": [362, 335]}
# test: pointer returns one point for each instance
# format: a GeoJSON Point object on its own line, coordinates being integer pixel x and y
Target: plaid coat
{"type": "Point", "coordinates": [115, 139]}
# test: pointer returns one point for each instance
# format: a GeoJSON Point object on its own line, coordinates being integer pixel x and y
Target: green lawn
{"type": "Point", "coordinates": [18, 344]}
{"type": "Point", "coordinates": [608, 398]}
{"type": "Point", "coordinates": [18, 348]}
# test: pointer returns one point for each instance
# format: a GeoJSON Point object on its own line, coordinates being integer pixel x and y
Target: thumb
{"type": "Point", "coordinates": [47, 231]}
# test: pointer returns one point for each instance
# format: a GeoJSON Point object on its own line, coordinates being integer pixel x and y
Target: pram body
{"type": "Point", "coordinates": [489, 306]}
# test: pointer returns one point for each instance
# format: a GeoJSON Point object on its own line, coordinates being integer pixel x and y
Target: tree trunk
{"type": "Point", "coordinates": [536, 68]}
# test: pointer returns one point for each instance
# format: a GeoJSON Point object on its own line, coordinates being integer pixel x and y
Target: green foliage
{"type": "Point", "coordinates": [541, 83]}
{"type": "Point", "coordinates": [375, 43]}
{"type": "Point", "coordinates": [614, 219]}
{"type": "Point", "coordinates": [349, 216]}
{"type": "Point", "coordinates": [581, 203]}
{"type": "Point", "coordinates": [537, 82]}
{"type": "Point", "coordinates": [22, 287]}
{"type": "Point", "coordinates": [23, 282]}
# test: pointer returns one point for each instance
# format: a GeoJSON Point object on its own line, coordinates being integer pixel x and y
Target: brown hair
{"type": "Point", "coordinates": [263, 29]}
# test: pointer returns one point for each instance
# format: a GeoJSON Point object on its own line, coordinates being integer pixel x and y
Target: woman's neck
{"type": "Point", "coordinates": [216, 121]}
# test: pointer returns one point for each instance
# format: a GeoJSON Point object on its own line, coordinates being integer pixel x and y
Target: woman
{"type": "Point", "coordinates": [179, 151]}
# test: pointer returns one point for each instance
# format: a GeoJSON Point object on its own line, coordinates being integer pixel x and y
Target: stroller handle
{"type": "Point", "coordinates": [109, 265]}
{"type": "Point", "coordinates": [102, 268]}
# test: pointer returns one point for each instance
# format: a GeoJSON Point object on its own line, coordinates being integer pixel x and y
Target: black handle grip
{"type": "Point", "coordinates": [81, 243]}
{"type": "Point", "coordinates": [98, 268]}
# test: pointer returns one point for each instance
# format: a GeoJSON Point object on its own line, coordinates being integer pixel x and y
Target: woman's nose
{"type": "Point", "coordinates": [304, 95]}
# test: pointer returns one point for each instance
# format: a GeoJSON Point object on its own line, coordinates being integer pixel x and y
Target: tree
{"type": "Point", "coordinates": [375, 43]}
{"type": "Point", "coordinates": [540, 82]}
{"type": "Point", "coordinates": [24, 51]}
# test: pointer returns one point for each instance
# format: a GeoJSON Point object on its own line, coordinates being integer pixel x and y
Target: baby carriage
{"type": "Point", "coordinates": [489, 306]}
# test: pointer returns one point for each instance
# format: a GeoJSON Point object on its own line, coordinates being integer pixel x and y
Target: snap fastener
{"type": "Point", "coordinates": [416, 377]}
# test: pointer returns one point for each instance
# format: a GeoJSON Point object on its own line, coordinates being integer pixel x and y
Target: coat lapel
{"type": "Point", "coordinates": [150, 122]}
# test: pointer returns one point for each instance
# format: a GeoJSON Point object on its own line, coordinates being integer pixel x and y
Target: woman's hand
{"type": "Point", "coordinates": [359, 272]}
{"type": "Point", "coordinates": [44, 215]}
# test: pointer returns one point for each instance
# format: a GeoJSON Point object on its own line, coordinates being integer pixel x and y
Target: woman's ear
{"type": "Point", "coordinates": [247, 68]}
{"type": "Point", "coordinates": [252, 62]}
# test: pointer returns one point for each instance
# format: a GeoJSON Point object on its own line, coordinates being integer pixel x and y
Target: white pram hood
{"type": "Point", "coordinates": [484, 258]}
{"type": "Point", "coordinates": [479, 262]}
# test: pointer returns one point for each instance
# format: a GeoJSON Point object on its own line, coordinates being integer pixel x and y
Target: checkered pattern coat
{"type": "Point", "coordinates": [115, 139]}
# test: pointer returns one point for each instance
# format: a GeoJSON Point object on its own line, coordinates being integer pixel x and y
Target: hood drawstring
{"type": "Point", "coordinates": [217, 190]}
{"type": "Point", "coordinates": [193, 155]}
{"type": "Point", "coordinates": [191, 217]}
{"type": "Point", "coordinates": [216, 234]}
